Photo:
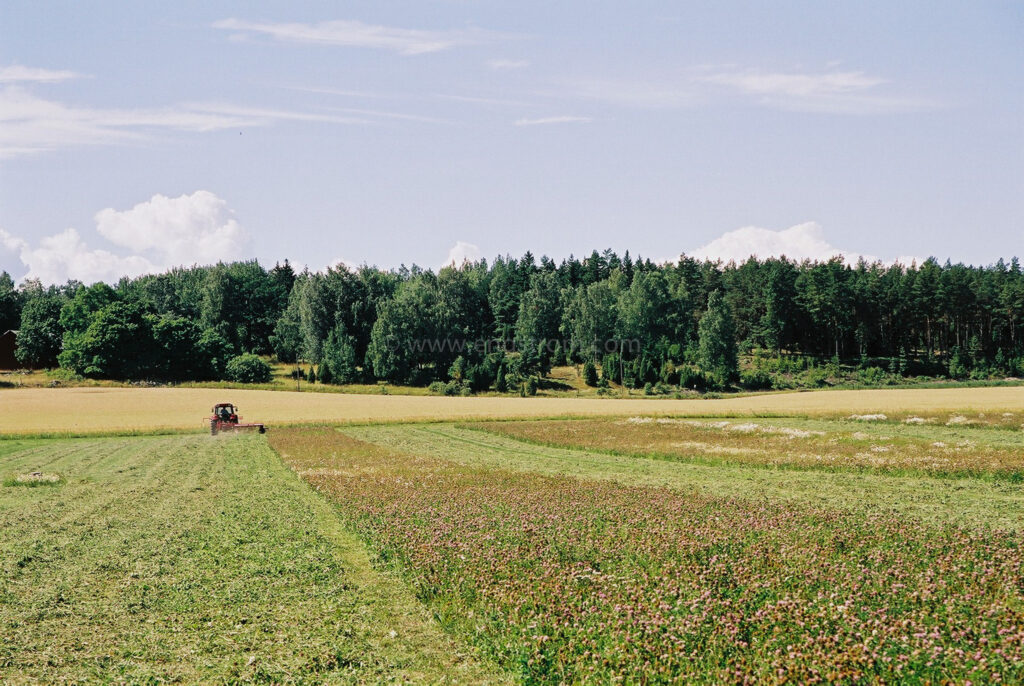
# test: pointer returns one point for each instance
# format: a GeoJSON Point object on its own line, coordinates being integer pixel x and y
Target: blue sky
{"type": "Point", "coordinates": [136, 136]}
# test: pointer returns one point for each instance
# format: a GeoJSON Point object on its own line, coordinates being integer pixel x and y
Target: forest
{"type": "Point", "coordinates": [503, 325]}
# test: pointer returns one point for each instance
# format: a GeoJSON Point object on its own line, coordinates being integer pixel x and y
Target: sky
{"type": "Point", "coordinates": [139, 136]}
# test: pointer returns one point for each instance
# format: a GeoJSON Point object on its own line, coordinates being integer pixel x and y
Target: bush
{"type": "Point", "coordinates": [436, 387]}
{"type": "Point", "coordinates": [692, 378]}
{"type": "Point", "coordinates": [531, 386]}
{"type": "Point", "coordinates": [815, 378]}
{"type": "Point", "coordinates": [872, 376]}
{"type": "Point", "coordinates": [756, 380]}
{"type": "Point", "coordinates": [248, 368]}
{"type": "Point", "coordinates": [589, 373]}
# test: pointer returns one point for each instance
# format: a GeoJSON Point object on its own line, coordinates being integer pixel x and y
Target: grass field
{"type": "Point", "coordinates": [85, 410]}
{"type": "Point", "coordinates": [960, 500]}
{"type": "Point", "coordinates": [196, 559]}
{"type": "Point", "coordinates": [957, 445]}
{"type": "Point", "coordinates": [867, 536]}
{"type": "Point", "coordinates": [568, 579]}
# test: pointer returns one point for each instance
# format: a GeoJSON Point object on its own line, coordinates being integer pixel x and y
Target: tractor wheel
{"type": "Point", "coordinates": [213, 427]}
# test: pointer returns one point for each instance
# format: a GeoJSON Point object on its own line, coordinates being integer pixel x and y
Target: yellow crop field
{"type": "Point", "coordinates": [84, 410]}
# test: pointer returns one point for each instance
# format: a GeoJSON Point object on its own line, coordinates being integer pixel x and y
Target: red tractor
{"type": "Point", "coordinates": [225, 418]}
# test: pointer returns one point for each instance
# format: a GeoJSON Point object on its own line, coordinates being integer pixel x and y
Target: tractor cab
{"type": "Point", "coordinates": [225, 412]}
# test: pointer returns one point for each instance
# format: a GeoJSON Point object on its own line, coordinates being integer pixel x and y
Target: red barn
{"type": "Point", "coordinates": [8, 344]}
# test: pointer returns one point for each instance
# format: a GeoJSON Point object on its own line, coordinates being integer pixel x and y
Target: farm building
{"type": "Point", "coordinates": [8, 344]}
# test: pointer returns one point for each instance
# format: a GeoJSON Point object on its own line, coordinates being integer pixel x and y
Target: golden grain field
{"type": "Point", "coordinates": [83, 410]}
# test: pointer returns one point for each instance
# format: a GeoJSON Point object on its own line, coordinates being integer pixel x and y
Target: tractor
{"type": "Point", "coordinates": [225, 418]}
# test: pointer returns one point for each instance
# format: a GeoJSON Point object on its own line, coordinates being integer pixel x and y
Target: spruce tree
{"type": "Point", "coordinates": [325, 373]}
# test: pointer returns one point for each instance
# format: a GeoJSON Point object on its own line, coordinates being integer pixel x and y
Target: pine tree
{"type": "Point", "coordinates": [590, 373]}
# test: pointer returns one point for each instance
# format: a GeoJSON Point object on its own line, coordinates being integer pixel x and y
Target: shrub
{"type": "Point", "coordinates": [248, 368]}
{"type": "Point", "coordinates": [531, 386]}
{"type": "Point", "coordinates": [692, 378]}
{"type": "Point", "coordinates": [872, 376]}
{"type": "Point", "coordinates": [436, 387]}
{"type": "Point", "coordinates": [756, 380]}
{"type": "Point", "coordinates": [590, 373]}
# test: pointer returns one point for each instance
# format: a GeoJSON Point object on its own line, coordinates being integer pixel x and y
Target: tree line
{"type": "Point", "coordinates": [506, 323]}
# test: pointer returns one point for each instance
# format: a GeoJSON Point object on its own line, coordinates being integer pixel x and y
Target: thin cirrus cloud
{"type": "Point", "coordinates": [356, 34]}
{"type": "Point", "coordinates": [30, 124]}
{"type": "Point", "coordinates": [836, 92]}
{"type": "Point", "coordinates": [16, 73]}
{"type": "Point", "coordinates": [544, 121]}
{"type": "Point", "coordinates": [159, 233]}
{"type": "Point", "coordinates": [839, 92]}
{"type": "Point", "coordinates": [505, 65]}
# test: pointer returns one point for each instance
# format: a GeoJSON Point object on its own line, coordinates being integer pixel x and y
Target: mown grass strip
{"type": "Point", "coordinates": [197, 559]}
{"type": "Point", "coordinates": [964, 501]}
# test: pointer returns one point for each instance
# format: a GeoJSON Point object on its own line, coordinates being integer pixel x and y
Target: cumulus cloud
{"type": "Point", "coordinates": [159, 233]}
{"type": "Point", "coordinates": [801, 242]}
{"type": "Point", "coordinates": [462, 252]}
{"type": "Point", "coordinates": [65, 256]}
{"type": "Point", "coordinates": [357, 34]}
{"type": "Point", "coordinates": [17, 73]}
{"type": "Point", "coordinates": [541, 121]}
{"type": "Point", "coordinates": [182, 230]}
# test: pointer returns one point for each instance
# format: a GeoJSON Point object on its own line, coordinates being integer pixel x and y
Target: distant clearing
{"type": "Point", "coordinates": [91, 410]}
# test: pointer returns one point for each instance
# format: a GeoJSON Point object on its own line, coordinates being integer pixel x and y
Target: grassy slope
{"type": "Point", "coordinates": [968, 501]}
{"type": "Point", "coordinates": [195, 559]}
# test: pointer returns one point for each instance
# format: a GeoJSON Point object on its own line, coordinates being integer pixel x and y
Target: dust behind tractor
{"type": "Point", "coordinates": [225, 418]}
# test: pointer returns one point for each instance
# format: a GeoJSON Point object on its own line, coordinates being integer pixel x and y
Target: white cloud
{"type": "Point", "coordinates": [29, 124]}
{"type": "Point", "coordinates": [801, 242]}
{"type": "Point", "coordinates": [462, 252]}
{"type": "Point", "coordinates": [553, 120]}
{"type": "Point", "coordinates": [159, 233]}
{"type": "Point", "coordinates": [357, 34]}
{"type": "Point", "coordinates": [500, 65]}
{"type": "Point", "coordinates": [801, 85]}
{"type": "Point", "coordinates": [841, 92]}
{"type": "Point", "coordinates": [183, 230]}
{"type": "Point", "coordinates": [65, 256]}
{"type": "Point", "coordinates": [16, 73]}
